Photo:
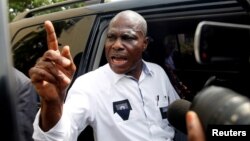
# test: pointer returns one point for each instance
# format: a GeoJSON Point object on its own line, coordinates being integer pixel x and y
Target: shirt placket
{"type": "Point", "coordinates": [145, 109]}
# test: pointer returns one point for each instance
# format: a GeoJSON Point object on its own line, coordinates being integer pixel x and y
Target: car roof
{"type": "Point", "coordinates": [97, 6]}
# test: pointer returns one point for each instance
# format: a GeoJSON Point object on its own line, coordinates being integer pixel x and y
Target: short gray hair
{"type": "Point", "coordinates": [142, 23]}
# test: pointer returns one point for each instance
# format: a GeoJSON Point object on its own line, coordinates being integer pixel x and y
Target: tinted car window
{"type": "Point", "coordinates": [30, 43]}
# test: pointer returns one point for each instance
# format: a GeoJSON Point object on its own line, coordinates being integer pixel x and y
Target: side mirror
{"type": "Point", "coordinates": [222, 43]}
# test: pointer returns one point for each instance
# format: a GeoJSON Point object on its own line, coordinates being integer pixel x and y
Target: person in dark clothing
{"type": "Point", "coordinates": [27, 105]}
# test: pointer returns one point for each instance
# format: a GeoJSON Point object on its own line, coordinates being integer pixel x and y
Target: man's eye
{"type": "Point", "coordinates": [128, 38]}
{"type": "Point", "coordinates": [110, 37]}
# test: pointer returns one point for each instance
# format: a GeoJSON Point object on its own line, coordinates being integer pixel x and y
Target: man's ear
{"type": "Point", "coordinates": [146, 40]}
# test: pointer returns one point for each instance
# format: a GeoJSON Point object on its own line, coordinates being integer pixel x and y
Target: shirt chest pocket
{"type": "Point", "coordinates": [124, 118]}
{"type": "Point", "coordinates": [124, 112]}
{"type": "Point", "coordinates": [163, 107]}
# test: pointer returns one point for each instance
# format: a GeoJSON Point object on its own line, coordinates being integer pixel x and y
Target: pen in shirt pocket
{"type": "Point", "coordinates": [157, 100]}
{"type": "Point", "coordinates": [167, 98]}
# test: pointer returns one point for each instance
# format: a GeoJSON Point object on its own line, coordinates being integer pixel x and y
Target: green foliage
{"type": "Point", "coordinates": [18, 6]}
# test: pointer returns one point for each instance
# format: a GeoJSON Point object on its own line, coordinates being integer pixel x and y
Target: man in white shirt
{"type": "Point", "coordinates": [124, 100]}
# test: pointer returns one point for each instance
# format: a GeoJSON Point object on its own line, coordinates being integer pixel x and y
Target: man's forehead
{"type": "Point", "coordinates": [124, 31]}
{"type": "Point", "coordinates": [125, 23]}
{"type": "Point", "coordinates": [125, 26]}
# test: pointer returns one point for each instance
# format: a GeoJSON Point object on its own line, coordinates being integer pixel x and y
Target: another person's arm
{"type": "Point", "coordinates": [51, 76]}
{"type": "Point", "coordinates": [194, 127]}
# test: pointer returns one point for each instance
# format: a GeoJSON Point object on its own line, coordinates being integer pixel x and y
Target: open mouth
{"type": "Point", "coordinates": [119, 60]}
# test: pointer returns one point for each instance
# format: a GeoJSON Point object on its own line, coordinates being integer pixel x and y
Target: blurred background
{"type": "Point", "coordinates": [17, 6]}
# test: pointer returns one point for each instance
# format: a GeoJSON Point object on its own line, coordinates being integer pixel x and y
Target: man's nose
{"type": "Point", "coordinates": [118, 45]}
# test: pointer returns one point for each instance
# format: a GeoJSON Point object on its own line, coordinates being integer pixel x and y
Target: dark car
{"type": "Point", "coordinates": [171, 28]}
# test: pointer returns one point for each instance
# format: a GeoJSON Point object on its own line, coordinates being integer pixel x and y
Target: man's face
{"type": "Point", "coordinates": [124, 46]}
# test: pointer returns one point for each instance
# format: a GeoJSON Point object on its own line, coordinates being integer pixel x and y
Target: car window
{"type": "Point", "coordinates": [30, 42]}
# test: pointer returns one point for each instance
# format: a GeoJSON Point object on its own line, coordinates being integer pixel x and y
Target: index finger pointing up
{"type": "Point", "coordinates": [51, 36]}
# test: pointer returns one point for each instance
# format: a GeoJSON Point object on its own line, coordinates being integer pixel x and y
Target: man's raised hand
{"type": "Point", "coordinates": [53, 72]}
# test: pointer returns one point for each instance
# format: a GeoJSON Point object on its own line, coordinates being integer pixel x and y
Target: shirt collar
{"type": "Point", "coordinates": [145, 69]}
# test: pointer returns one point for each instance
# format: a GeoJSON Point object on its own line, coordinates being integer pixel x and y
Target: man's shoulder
{"type": "Point", "coordinates": [96, 74]}
{"type": "Point", "coordinates": [21, 79]}
{"type": "Point", "coordinates": [153, 66]}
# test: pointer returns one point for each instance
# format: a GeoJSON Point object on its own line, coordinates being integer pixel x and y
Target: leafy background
{"type": "Point", "coordinates": [18, 6]}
